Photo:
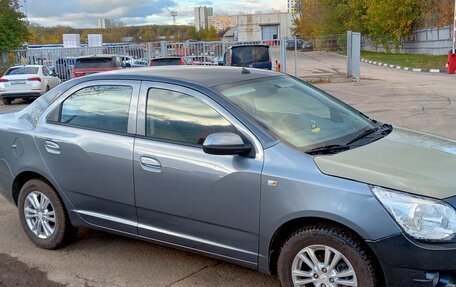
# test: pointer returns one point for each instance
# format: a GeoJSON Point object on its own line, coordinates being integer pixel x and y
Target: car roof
{"type": "Point", "coordinates": [207, 76]}
{"type": "Point", "coordinates": [97, 56]}
{"type": "Point", "coordinates": [164, 58]}
{"type": "Point", "coordinates": [249, 45]}
{"type": "Point", "coordinates": [22, 66]}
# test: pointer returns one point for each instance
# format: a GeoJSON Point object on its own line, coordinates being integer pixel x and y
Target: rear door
{"type": "Point", "coordinates": [87, 144]}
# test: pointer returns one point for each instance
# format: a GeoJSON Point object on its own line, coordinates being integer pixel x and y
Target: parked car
{"type": "Point", "coordinates": [253, 56]}
{"type": "Point", "coordinates": [249, 166]}
{"type": "Point", "coordinates": [26, 82]}
{"type": "Point", "coordinates": [64, 67]}
{"type": "Point", "coordinates": [299, 44]}
{"type": "Point", "coordinates": [87, 65]}
{"type": "Point", "coordinates": [167, 61]}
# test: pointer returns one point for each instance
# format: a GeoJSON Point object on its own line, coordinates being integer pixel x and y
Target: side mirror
{"type": "Point", "coordinates": [225, 144]}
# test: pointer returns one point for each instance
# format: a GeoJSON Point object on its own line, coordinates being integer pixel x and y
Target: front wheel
{"type": "Point", "coordinates": [325, 256]}
{"type": "Point", "coordinates": [43, 215]}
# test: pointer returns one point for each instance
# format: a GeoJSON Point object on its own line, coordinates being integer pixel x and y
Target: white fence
{"type": "Point", "coordinates": [438, 41]}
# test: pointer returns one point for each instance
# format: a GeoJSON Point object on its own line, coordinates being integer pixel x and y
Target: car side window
{"type": "Point", "coordinates": [45, 71]}
{"type": "Point", "coordinates": [180, 118]}
{"type": "Point", "coordinates": [104, 108]}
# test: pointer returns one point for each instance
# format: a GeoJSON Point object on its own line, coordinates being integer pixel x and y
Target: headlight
{"type": "Point", "coordinates": [420, 217]}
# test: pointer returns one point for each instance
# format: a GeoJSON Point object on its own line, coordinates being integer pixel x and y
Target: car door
{"type": "Point", "coordinates": [87, 144]}
{"type": "Point", "coordinates": [184, 196]}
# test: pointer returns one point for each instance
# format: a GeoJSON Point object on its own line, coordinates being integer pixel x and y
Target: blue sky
{"type": "Point", "coordinates": [84, 13]}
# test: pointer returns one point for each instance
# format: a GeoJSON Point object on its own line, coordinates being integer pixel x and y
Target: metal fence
{"type": "Point", "coordinates": [134, 55]}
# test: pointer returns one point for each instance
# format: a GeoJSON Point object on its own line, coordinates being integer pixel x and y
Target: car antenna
{"type": "Point", "coordinates": [245, 71]}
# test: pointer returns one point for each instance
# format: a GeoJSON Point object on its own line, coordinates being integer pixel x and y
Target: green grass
{"type": "Point", "coordinates": [408, 60]}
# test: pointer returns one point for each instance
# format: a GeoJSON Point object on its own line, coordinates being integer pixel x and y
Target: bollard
{"type": "Point", "coordinates": [452, 62]}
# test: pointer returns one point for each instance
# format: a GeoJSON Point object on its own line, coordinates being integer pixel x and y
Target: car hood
{"type": "Point", "coordinates": [405, 160]}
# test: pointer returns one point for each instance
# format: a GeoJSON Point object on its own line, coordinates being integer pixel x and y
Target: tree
{"type": "Point", "coordinates": [389, 21]}
{"type": "Point", "coordinates": [13, 27]}
{"type": "Point", "coordinates": [437, 13]}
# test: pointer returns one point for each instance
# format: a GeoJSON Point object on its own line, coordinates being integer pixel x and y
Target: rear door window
{"type": "Point", "coordinates": [94, 63]}
{"type": "Point", "coordinates": [104, 108]}
{"type": "Point", "coordinates": [166, 62]}
{"type": "Point", "coordinates": [249, 54]}
{"type": "Point", "coordinates": [22, 71]}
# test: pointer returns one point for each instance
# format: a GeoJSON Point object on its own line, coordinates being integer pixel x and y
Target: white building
{"type": "Point", "coordinates": [104, 23]}
{"type": "Point", "coordinates": [202, 15]}
{"type": "Point", "coordinates": [269, 26]}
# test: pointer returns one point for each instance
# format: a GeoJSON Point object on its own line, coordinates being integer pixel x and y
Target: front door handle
{"type": "Point", "coordinates": [150, 164]}
{"type": "Point", "coordinates": [52, 147]}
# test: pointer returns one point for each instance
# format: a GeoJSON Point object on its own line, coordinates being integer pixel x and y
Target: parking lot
{"type": "Point", "coordinates": [415, 100]}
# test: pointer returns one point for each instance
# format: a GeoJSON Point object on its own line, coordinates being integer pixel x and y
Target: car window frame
{"type": "Point", "coordinates": [142, 115]}
{"type": "Point", "coordinates": [53, 112]}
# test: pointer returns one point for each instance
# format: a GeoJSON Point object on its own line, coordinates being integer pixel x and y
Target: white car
{"type": "Point", "coordinates": [26, 82]}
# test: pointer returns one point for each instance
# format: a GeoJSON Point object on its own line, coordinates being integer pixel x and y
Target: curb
{"type": "Point", "coordinates": [403, 68]}
{"type": "Point", "coordinates": [435, 71]}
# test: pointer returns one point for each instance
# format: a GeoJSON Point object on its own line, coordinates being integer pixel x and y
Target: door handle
{"type": "Point", "coordinates": [150, 164]}
{"type": "Point", "coordinates": [52, 147]}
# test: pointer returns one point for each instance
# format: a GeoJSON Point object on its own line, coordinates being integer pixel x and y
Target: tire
{"type": "Point", "coordinates": [321, 240]}
{"type": "Point", "coordinates": [54, 214]}
{"type": "Point", "coordinates": [7, 102]}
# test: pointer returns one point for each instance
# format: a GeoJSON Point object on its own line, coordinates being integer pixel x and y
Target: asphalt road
{"type": "Point", "coordinates": [421, 101]}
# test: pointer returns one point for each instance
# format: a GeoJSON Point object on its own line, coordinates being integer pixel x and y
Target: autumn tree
{"type": "Point", "coordinates": [13, 26]}
{"type": "Point", "coordinates": [389, 21]}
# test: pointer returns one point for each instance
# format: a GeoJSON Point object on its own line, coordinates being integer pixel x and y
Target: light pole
{"type": "Point", "coordinates": [454, 29]}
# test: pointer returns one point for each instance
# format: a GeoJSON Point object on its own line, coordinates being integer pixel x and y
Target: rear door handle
{"type": "Point", "coordinates": [52, 147]}
{"type": "Point", "coordinates": [150, 164]}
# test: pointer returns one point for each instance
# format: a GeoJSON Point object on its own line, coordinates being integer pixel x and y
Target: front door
{"type": "Point", "coordinates": [87, 143]}
{"type": "Point", "coordinates": [186, 197]}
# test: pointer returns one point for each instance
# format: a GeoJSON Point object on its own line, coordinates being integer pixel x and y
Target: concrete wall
{"type": "Point", "coordinates": [438, 41]}
{"type": "Point", "coordinates": [249, 26]}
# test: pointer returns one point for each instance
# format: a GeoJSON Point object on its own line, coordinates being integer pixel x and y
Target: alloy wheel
{"type": "Point", "coordinates": [39, 215]}
{"type": "Point", "coordinates": [322, 266]}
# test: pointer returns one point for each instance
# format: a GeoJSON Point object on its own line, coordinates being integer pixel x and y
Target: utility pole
{"type": "Point", "coordinates": [25, 10]}
{"type": "Point", "coordinates": [454, 29]}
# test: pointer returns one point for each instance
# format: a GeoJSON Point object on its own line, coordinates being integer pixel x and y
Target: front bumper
{"type": "Point", "coordinates": [408, 263]}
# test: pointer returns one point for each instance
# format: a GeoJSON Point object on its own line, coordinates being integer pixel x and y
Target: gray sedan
{"type": "Point", "coordinates": [248, 166]}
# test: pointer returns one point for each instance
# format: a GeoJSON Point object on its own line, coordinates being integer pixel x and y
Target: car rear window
{"type": "Point", "coordinates": [166, 62]}
{"type": "Point", "coordinates": [22, 71]}
{"type": "Point", "coordinates": [94, 63]}
{"type": "Point", "coordinates": [250, 54]}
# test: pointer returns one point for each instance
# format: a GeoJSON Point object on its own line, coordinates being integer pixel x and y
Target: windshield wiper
{"type": "Point", "coordinates": [328, 149]}
{"type": "Point", "coordinates": [363, 135]}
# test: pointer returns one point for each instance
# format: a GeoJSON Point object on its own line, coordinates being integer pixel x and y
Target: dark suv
{"type": "Point", "coordinates": [253, 56]}
{"type": "Point", "coordinates": [87, 65]}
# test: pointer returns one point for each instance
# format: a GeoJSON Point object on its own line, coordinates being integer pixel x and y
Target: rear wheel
{"type": "Point", "coordinates": [325, 256]}
{"type": "Point", "coordinates": [7, 101]}
{"type": "Point", "coordinates": [43, 215]}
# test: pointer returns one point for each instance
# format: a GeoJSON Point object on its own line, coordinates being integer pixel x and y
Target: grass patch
{"type": "Point", "coordinates": [408, 60]}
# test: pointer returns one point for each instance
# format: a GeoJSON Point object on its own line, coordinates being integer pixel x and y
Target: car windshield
{"type": "Point", "coordinates": [93, 63]}
{"type": "Point", "coordinates": [22, 71]}
{"type": "Point", "coordinates": [297, 113]}
{"type": "Point", "coordinates": [250, 54]}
